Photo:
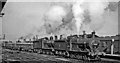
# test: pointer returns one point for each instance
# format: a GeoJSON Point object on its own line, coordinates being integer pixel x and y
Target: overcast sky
{"type": "Point", "coordinates": [19, 17]}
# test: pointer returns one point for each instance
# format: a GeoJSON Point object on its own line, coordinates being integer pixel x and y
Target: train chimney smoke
{"type": "Point", "coordinates": [78, 14]}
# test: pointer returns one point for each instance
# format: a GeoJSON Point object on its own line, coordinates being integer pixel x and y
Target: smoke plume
{"type": "Point", "coordinates": [78, 14]}
{"type": "Point", "coordinates": [70, 18]}
{"type": "Point", "coordinates": [82, 14]}
{"type": "Point", "coordinates": [61, 20]}
{"type": "Point", "coordinates": [97, 10]}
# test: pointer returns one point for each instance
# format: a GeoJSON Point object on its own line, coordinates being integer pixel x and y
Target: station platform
{"type": "Point", "coordinates": [112, 56]}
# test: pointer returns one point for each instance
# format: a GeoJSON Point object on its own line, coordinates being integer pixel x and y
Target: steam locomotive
{"type": "Point", "coordinates": [86, 47]}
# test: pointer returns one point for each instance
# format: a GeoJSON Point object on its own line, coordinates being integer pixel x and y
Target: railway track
{"type": "Point", "coordinates": [9, 55]}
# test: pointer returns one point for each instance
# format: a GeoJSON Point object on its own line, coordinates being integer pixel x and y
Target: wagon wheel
{"type": "Point", "coordinates": [47, 52]}
{"type": "Point", "coordinates": [64, 53]}
{"type": "Point", "coordinates": [39, 51]}
{"type": "Point", "coordinates": [78, 56]}
{"type": "Point", "coordinates": [56, 52]}
{"type": "Point", "coordinates": [59, 53]}
{"type": "Point", "coordinates": [72, 56]}
{"type": "Point", "coordinates": [43, 52]}
{"type": "Point", "coordinates": [67, 54]}
{"type": "Point", "coordinates": [51, 53]}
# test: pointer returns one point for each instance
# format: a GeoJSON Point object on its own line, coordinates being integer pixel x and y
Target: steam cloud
{"type": "Point", "coordinates": [65, 18]}
{"type": "Point", "coordinates": [96, 10]}
{"type": "Point", "coordinates": [78, 14]}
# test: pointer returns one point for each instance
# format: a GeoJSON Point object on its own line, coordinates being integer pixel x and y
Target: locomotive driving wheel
{"type": "Point", "coordinates": [98, 58]}
{"type": "Point", "coordinates": [72, 55]}
{"type": "Point", "coordinates": [85, 58]}
{"type": "Point", "coordinates": [78, 56]}
{"type": "Point", "coordinates": [40, 51]}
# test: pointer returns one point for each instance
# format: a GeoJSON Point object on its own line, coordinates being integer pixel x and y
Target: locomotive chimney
{"type": "Point", "coordinates": [51, 37]}
{"type": "Point", "coordinates": [4, 37]}
{"type": "Point", "coordinates": [84, 34]}
{"type": "Point", "coordinates": [29, 39]}
{"type": "Point", "coordinates": [36, 37]}
{"type": "Point", "coordinates": [61, 37]}
{"type": "Point", "coordinates": [24, 39]}
{"type": "Point", "coordinates": [56, 38]}
{"type": "Point", "coordinates": [93, 34]}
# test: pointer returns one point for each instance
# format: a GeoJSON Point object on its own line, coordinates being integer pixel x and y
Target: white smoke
{"type": "Point", "coordinates": [97, 9]}
{"type": "Point", "coordinates": [78, 14]}
{"type": "Point", "coordinates": [55, 13]}
{"type": "Point", "coordinates": [53, 18]}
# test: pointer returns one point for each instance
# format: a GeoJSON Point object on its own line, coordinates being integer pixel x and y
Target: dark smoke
{"type": "Point", "coordinates": [66, 21]}
{"type": "Point", "coordinates": [66, 24]}
{"type": "Point", "coordinates": [86, 15]}
{"type": "Point", "coordinates": [112, 6]}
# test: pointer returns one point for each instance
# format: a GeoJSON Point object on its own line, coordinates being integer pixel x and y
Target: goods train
{"type": "Point", "coordinates": [86, 47]}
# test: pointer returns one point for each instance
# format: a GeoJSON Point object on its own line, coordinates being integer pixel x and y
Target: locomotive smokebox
{"type": "Point", "coordinates": [61, 37]}
{"type": "Point", "coordinates": [93, 34]}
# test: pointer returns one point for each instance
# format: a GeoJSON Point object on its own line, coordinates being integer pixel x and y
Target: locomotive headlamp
{"type": "Point", "coordinates": [84, 42]}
